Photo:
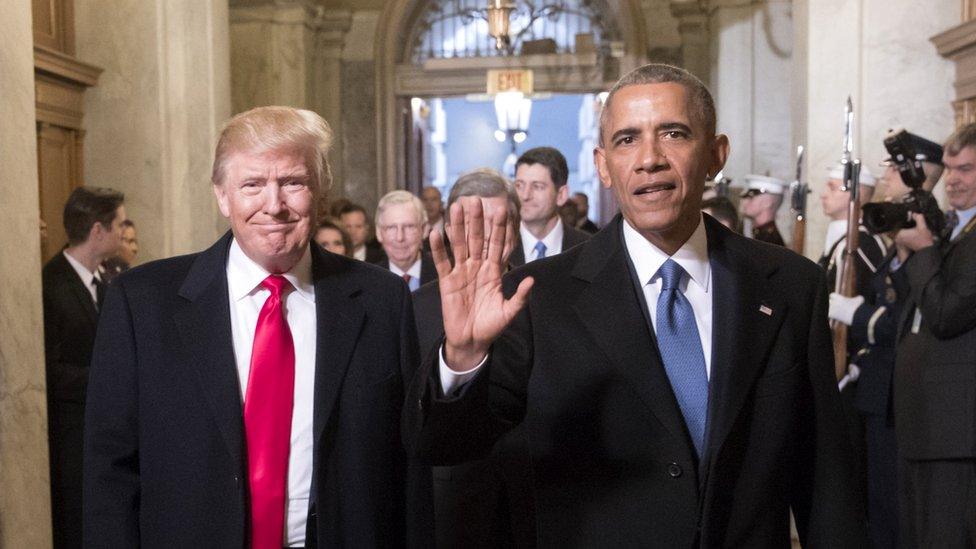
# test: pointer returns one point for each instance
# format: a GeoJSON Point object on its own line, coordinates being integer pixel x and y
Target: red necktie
{"type": "Point", "coordinates": [406, 278]}
{"type": "Point", "coordinates": [267, 417]}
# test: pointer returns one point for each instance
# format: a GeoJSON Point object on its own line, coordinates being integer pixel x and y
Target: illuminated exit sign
{"type": "Point", "coordinates": [509, 80]}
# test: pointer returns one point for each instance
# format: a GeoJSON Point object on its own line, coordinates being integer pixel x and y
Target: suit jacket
{"type": "Point", "coordinates": [571, 237]}
{"type": "Point", "coordinates": [428, 272]}
{"type": "Point", "coordinates": [374, 252]}
{"type": "Point", "coordinates": [165, 450]}
{"type": "Point", "coordinates": [612, 461]}
{"type": "Point", "coordinates": [70, 318]}
{"type": "Point", "coordinates": [588, 226]}
{"type": "Point", "coordinates": [935, 370]}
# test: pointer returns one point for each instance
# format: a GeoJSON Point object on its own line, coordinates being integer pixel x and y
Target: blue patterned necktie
{"type": "Point", "coordinates": [540, 250]}
{"type": "Point", "coordinates": [681, 350]}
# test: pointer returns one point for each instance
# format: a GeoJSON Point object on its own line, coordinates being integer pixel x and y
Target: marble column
{"type": "Point", "coordinates": [693, 29]}
{"type": "Point", "coordinates": [153, 119]}
{"type": "Point", "coordinates": [329, 31]}
{"type": "Point", "coordinates": [878, 52]}
{"type": "Point", "coordinates": [25, 513]}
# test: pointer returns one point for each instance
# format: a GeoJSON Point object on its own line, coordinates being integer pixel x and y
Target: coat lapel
{"type": "Point", "coordinates": [611, 310]}
{"type": "Point", "coordinates": [745, 321]}
{"type": "Point", "coordinates": [340, 317]}
{"type": "Point", "coordinates": [204, 326]}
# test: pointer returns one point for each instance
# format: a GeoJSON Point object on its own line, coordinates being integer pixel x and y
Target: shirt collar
{"type": "Point", "coordinates": [244, 276]}
{"type": "Point", "coordinates": [84, 274]}
{"type": "Point", "coordinates": [965, 215]}
{"type": "Point", "coordinates": [553, 240]}
{"type": "Point", "coordinates": [648, 258]}
{"type": "Point", "coordinates": [413, 271]}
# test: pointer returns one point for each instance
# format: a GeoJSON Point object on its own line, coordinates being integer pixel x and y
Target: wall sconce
{"type": "Point", "coordinates": [499, 22]}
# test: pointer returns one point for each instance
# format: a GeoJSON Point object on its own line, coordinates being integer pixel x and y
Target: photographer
{"type": "Point", "coordinates": [873, 320]}
{"type": "Point", "coordinates": [935, 372]}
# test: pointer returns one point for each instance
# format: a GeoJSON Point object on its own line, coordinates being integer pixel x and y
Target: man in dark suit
{"type": "Point", "coordinates": [935, 377]}
{"type": "Point", "coordinates": [401, 224]}
{"type": "Point", "coordinates": [250, 395]}
{"type": "Point", "coordinates": [486, 502]}
{"type": "Point", "coordinates": [356, 223]}
{"type": "Point", "coordinates": [701, 424]}
{"type": "Point", "coordinates": [73, 290]}
{"type": "Point", "coordinates": [582, 203]}
{"type": "Point", "coordinates": [541, 177]}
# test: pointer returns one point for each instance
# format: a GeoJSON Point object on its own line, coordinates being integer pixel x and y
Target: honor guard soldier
{"type": "Point", "coordinates": [760, 202]}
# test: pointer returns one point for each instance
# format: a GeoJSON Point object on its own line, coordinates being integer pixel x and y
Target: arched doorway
{"type": "Point", "coordinates": [401, 75]}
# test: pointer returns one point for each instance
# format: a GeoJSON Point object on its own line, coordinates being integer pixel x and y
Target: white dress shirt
{"type": "Point", "coordinates": [360, 253]}
{"type": "Point", "coordinates": [553, 241]}
{"type": "Point", "coordinates": [413, 271]}
{"type": "Point", "coordinates": [836, 230]}
{"type": "Point", "coordinates": [696, 285]}
{"type": "Point", "coordinates": [247, 297]}
{"type": "Point", "coordinates": [87, 277]}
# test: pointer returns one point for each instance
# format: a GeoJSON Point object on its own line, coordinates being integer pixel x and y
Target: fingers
{"type": "Point", "coordinates": [459, 242]}
{"type": "Point", "coordinates": [515, 303]}
{"type": "Point", "coordinates": [439, 252]}
{"type": "Point", "coordinates": [499, 226]}
{"type": "Point", "coordinates": [474, 219]}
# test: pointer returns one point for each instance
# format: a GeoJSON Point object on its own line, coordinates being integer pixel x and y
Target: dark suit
{"type": "Point", "coordinates": [428, 272]}
{"type": "Point", "coordinates": [612, 461]}
{"type": "Point", "coordinates": [165, 455]}
{"type": "Point", "coordinates": [587, 226]}
{"type": "Point", "coordinates": [571, 237]}
{"type": "Point", "coordinates": [70, 318]}
{"type": "Point", "coordinates": [374, 252]}
{"type": "Point", "coordinates": [935, 396]}
{"type": "Point", "coordinates": [485, 502]}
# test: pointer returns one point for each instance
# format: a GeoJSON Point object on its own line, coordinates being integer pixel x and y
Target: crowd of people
{"type": "Point", "coordinates": [494, 369]}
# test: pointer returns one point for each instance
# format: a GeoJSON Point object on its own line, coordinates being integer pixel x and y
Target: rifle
{"type": "Point", "coordinates": [798, 204]}
{"type": "Point", "coordinates": [846, 282]}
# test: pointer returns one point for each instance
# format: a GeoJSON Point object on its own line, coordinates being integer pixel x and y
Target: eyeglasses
{"type": "Point", "coordinates": [407, 228]}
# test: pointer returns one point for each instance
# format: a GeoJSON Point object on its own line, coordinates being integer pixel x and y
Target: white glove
{"type": "Point", "coordinates": [842, 308]}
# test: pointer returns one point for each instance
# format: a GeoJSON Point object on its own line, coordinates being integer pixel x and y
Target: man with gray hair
{"type": "Point", "coordinates": [674, 379]}
{"type": "Point", "coordinates": [401, 225]}
{"type": "Point", "coordinates": [250, 395]}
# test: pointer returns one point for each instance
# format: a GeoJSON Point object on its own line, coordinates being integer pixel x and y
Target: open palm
{"type": "Point", "coordinates": [474, 307]}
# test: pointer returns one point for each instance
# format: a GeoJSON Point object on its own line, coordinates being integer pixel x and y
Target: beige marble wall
{"type": "Point", "coordinates": [290, 53]}
{"type": "Point", "coordinates": [24, 501]}
{"type": "Point", "coordinates": [877, 51]}
{"type": "Point", "coordinates": [153, 119]}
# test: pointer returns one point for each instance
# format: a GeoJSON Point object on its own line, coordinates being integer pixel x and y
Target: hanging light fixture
{"type": "Point", "coordinates": [499, 23]}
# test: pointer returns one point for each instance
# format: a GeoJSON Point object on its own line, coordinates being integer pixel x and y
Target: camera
{"type": "Point", "coordinates": [907, 151]}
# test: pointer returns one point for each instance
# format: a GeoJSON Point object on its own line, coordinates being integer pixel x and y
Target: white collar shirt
{"type": "Point", "coordinates": [247, 297]}
{"type": "Point", "coordinates": [696, 283]}
{"type": "Point", "coordinates": [836, 230]}
{"type": "Point", "coordinates": [553, 241]}
{"type": "Point", "coordinates": [413, 271]}
{"type": "Point", "coordinates": [360, 253]}
{"type": "Point", "coordinates": [87, 277]}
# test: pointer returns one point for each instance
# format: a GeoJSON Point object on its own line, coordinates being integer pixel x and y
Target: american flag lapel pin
{"type": "Point", "coordinates": [765, 310]}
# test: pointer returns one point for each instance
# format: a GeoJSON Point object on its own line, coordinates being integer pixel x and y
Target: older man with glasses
{"type": "Point", "coordinates": [401, 224]}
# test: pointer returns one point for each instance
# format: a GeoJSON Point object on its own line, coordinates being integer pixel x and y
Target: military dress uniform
{"type": "Point", "coordinates": [873, 333]}
{"type": "Point", "coordinates": [767, 232]}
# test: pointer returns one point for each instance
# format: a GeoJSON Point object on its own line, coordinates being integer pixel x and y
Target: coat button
{"type": "Point", "coordinates": [674, 470]}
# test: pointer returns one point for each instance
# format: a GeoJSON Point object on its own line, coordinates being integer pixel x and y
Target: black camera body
{"type": "Point", "coordinates": [907, 151]}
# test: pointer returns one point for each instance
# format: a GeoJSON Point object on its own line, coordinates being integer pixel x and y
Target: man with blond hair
{"type": "Point", "coordinates": [401, 225]}
{"type": "Point", "coordinates": [249, 395]}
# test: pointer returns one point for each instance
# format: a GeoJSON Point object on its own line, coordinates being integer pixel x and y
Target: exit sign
{"type": "Point", "coordinates": [509, 80]}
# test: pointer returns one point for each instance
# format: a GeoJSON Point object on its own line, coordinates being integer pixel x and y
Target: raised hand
{"type": "Point", "coordinates": [474, 308]}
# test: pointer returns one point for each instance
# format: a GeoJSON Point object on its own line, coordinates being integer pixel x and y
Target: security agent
{"type": "Point", "coordinates": [873, 321]}
{"type": "Point", "coordinates": [935, 378]}
{"type": "Point", "coordinates": [760, 201]}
